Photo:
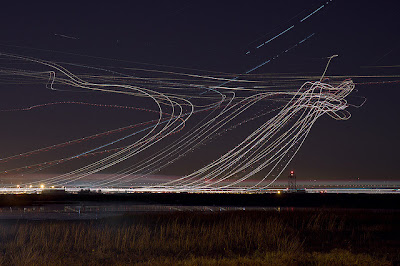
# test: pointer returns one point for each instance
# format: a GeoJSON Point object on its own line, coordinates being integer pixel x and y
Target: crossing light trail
{"type": "Point", "coordinates": [188, 111]}
{"type": "Point", "coordinates": [283, 32]}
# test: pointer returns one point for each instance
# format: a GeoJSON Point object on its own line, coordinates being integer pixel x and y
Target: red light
{"type": "Point", "coordinates": [292, 172]}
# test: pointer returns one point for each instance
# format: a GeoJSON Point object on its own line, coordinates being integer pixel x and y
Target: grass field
{"type": "Point", "coordinates": [223, 238]}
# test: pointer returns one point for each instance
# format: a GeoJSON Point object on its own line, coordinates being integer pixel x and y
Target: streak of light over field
{"type": "Point", "coordinates": [283, 124]}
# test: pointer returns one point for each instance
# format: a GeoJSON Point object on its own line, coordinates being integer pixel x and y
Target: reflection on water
{"type": "Point", "coordinates": [90, 210]}
{"type": "Point", "coordinates": [95, 211]}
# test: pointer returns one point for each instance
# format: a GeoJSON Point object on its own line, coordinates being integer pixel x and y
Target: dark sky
{"type": "Point", "coordinates": [215, 35]}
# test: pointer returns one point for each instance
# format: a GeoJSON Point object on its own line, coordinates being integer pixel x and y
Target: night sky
{"type": "Point", "coordinates": [215, 36]}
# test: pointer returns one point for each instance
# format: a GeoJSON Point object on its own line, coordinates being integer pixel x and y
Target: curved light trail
{"type": "Point", "coordinates": [188, 112]}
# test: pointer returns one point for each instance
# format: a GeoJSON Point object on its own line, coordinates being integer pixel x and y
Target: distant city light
{"type": "Point", "coordinates": [41, 186]}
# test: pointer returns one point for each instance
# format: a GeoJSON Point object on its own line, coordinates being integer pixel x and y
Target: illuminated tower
{"type": "Point", "coordinates": [292, 182]}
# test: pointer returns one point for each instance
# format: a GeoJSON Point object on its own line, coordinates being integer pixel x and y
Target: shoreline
{"type": "Point", "coordinates": [295, 200]}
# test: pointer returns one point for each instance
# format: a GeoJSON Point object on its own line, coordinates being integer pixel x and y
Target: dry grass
{"type": "Point", "coordinates": [246, 238]}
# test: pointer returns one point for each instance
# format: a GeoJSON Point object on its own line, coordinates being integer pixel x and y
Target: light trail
{"type": "Point", "coordinates": [312, 13]}
{"type": "Point", "coordinates": [291, 27]}
{"type": "Point", "coordinates": [276, 36]}
{"type": "Point", "coordinates": [222, 104]}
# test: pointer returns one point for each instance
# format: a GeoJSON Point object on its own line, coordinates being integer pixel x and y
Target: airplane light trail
{"type": "Point", "coordinates": [66, 36]}
{"type": "Point", "coordinates": [290, 28]}
{"type": "Point", "coordinates": [276, 36]}
{"type": "Point", "coordinates": [284, 116]}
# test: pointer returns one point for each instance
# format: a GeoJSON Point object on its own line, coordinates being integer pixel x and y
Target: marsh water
{"type": "Point", "coordinates": [92, 210]}
{"type": "Point", "coordinates": [98, 210]}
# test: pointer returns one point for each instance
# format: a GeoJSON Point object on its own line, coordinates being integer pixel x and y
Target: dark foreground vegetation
{"type": "Point", "coordinates": [223, 238]}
